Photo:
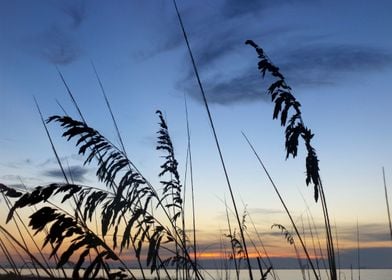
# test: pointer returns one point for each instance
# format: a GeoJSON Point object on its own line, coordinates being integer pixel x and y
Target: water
{"type": "Point", "coordinates": [295, 274]}
{"type": "Point", "coordinates": [282, 274]}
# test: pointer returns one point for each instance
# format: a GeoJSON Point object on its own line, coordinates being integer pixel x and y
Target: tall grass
{"type": "Point", "coordinates": [295, 129]}
{"type": "Point", "coordinates": [138, 218]}
{"type": "Point", "coordinates": [387, 202]}
{"type": "Point", "coordinates": [211, 122]}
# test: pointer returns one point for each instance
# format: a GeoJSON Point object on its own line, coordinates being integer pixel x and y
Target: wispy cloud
{"type": "Point", "coordinates": [65, 160]}
{"type": "Point", "coordinates": [59, 43]}
{"type": "Point", "coordinates": [17, 178]}
{"type": "Point", "coordinates": [264, 211]}
{"type": "Point", "coordinates": [368, 233]}
{"type": "Point", "coordinates": [18, 164]}
{"type": "Point", "coordinates": [75, 11]}
{"type": "Point", "coordinates": [308, 59]}
{"type": "Point", "coordinates": [57, 46]}
{"type": "Point", "coordinates": [331, 64]}
{"type": "Point", "coordinates": [244, 87]}
{"type": "Point", "coordinates": [75, 173]}
{"type": "Point", "coordinates": [234, 8]}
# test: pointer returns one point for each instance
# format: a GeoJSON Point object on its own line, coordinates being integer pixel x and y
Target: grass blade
{"type": "Point", "coordinates": [387, 202]}
{"type": "Point", "coordinates": [215, 138]}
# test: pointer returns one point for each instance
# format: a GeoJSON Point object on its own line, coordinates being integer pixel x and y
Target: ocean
{"type": "Point", "coordinates": [281, 274]}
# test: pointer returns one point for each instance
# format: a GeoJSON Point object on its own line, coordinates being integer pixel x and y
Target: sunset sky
{"type": "Point", "coordinates": [336, 55]}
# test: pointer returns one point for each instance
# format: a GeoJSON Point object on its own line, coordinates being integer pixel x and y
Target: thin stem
{"type": "Point", "coordinates": [359, 253]}
{"type": "Point", "coordinates": [237, 272]}
{"type": "Point", "coordinates": [387, 202]}
{"type": "Point", "coordinates": [330, 245]}
{"type": "Point", "coordinates": [25, 249]}
{"type": "Point", "coordinates": [109, 108]}
{"type": "Point", "coordinates": [192, 185]}
{"type": "Point", "coordinates": [284, 205]}
{"type": "Point", "coordinates": [216, 139]}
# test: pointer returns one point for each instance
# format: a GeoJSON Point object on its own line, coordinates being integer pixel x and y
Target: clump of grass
{"type": "Point", "coordinates": [123, 206]}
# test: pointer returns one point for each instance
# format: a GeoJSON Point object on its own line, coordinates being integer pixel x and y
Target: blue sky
{"type": "Point", "coordinates": [336, 55]}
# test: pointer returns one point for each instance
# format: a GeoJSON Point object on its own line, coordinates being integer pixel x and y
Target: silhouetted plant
{"type": "Point", "coordinates": [281, 94]}
{"type": "Point", "coordinates": [126, 202]}
{"type": "Point", "coordinates": [171, 188]}
{"type": "Point", "coordinates": [287, 235]}
{"type": "Point", "coordinates": [211, 122]}
{"type": "Point", "coordinates": [387, 203]}
{"type": "Point", "coordinates": [285, 102]}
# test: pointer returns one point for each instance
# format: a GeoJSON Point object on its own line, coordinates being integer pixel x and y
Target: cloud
{"type": "Point", "coordinates": [234, 8]}
{"type": "Point", "coordinates": [75, 11]}
{"type": "Point", "coordinates": [265, 211]}
{"type": "Point", "coordinates": [241, 88]}
{"type": "Point", "coordinates": [75, 173]}
{"type": "Point", "coordinates": [367, 233]}
{"type": "Point", "coordinates": [305, 67]}
{"type": "Point", "coordinates": [57, 46]}
{"type": "Point", "coordinates": [59, 43]}
{"type": "Point", "coordinates": [18, 164]}
{"type": "Point", "coordinates": [64, 160]}
{"type": "Point", "coordinates": [330, 64]}
{"type": "Point", "coordinates": [306, 58]}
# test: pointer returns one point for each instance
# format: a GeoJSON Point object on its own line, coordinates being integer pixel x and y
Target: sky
{"type": "Point", "coordinates": [336, 56]}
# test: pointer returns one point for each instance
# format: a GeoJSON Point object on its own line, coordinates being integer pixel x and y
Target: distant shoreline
{"type": "Point", "coordinates": [28, 276]}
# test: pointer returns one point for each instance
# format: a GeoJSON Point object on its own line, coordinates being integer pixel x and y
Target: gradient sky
{"type": "Point", "coordinates": [336, 55]}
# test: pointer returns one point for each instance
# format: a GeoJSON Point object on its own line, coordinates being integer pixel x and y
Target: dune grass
{"type": "Point", "coordinates": [144, 220]}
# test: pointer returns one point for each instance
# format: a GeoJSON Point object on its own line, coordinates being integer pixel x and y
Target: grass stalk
{"type": "Point", "coordinates": [284, 206]}
{"type": "Point", "coordinates": [387, 202]}
{"type": "Point", "coordinates": [118, 136]}
{"type": "Point", "coordinates": [70, 95]}
{"type": "Point", "coordinates": [132, 165]}
{"type": "Point", "coordinates": [26, 250]}
{"type": "Point", "coordinates": [191, 179]}
{"type": "Point", "coordinates": [281, 94]}
{"type": "Point", "coordinates": [215, 138]}
{"type": "Point", "coordinates": [313, 243]}
{"type": "Point", "coordinates": [358, 253]}
{"type": "Point", "coordinates": [313, 225]}
{"type": "Point", "coordinates": [327, 224]}
{"type": "Point", "coordinates": [231, 235]}
{"type": "Point", "coordinates": [8, 256]}
{"type": "Point", "coordinates": [274, 275]}
{"type": "Point", "coordinates": [338, 249]}
{"type": "Point", "coordinates": [78, 212]}
{"type": "Point", "coordinates": [23, 237]}
{"type": "Point", "coordinates": [109, 108]}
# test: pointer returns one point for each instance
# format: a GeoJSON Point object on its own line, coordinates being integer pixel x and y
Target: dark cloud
{"type": "Point", "coordinates": [65, 159]}
{"type": "Point", "coordinates": [242, 88]}
{"type": "Point", "coordinates": [76, 12]}
{"type": "Point", "coordinates": [217, 47]}
{"type": "Point", "coordinates": [235, 8]}
{"type": "Point", "coordinates": [217, 40]}
{"type": "Point", "coordinates": [59, 43]}
{"type": "Point", "coordinates": [367, 232]}
{"type": "Point", "coordinates": [57, 46]}
{"type": "Point", "coordinates": [75, 173]}
{"type": "Point", "coordinates": [306, 67]}
{"type": "Point", "coordinates": [327, 65]}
